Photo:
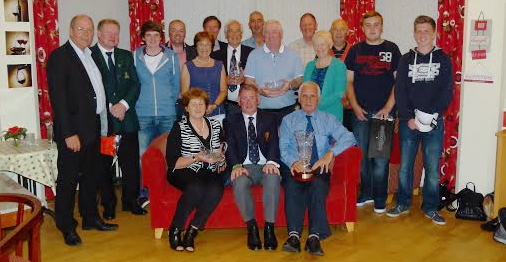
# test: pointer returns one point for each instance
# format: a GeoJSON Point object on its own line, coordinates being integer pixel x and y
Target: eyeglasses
{"type": "Point", "coordinates": [85, 30]}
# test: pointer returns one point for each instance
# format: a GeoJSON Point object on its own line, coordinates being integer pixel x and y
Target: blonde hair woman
{"type": "Point", "coordinates": [329, 73]}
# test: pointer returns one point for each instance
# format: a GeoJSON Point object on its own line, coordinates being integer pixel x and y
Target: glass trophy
{"type": "Point", "coordinates": [304, 141]}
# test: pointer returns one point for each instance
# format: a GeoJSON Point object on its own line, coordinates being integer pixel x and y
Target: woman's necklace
{"type": "Point", "coordinates": [203, 62]}
{"type": "Point", "coordinates": [199, 130]}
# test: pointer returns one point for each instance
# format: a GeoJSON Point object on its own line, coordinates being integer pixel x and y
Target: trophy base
{"type": "Point", "coordinates": [303, 176]}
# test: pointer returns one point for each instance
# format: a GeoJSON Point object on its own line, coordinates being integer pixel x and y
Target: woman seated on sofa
{"type": "Point", "coordinates": [194, 160]}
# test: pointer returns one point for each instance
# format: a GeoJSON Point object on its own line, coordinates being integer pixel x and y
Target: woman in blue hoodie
{"type": "Point", "coordinates": [424, 87]}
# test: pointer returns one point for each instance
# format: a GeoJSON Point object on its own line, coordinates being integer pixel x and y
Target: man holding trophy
{"type": "Point", "coordinates": [308, 184]}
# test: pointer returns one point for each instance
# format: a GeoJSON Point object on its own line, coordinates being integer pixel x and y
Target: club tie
{"type": "Point", "coordinates": [254, 155]}
{"type": "Point", "coordinates": [314, 150]}
{"type": "Point", "coordinates": [233, 65]}
{"type": "Point", "coordinates": [112, 67]}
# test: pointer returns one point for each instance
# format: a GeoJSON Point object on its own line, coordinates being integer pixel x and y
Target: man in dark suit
{"type": "Point", "coordinates": [234, 58]}
{"type": "Point", "coordinates": [212, 25]}
{"type": "Point", "coordinates": [79, 104]}
{"type": "Point", "coordinates": [122, 90]}
{"type": "Point", "coordinates": [253, 153]}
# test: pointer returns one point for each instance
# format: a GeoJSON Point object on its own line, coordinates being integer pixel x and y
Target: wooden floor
{"type": "Point", "coordinates": [376, 238]}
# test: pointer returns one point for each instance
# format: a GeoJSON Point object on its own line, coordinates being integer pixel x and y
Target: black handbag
{"type": "Point", "coordinates": [470, 204]}
{"type": "Point", "coordinates": [446, 197]}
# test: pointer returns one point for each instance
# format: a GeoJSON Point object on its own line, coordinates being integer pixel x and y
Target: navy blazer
{"type": "Point", "coordinates": [237, 140]}
{"type": "Point", "coordinates": [222, 56]}
{"type": "Point", "coordinates": [72, 96]}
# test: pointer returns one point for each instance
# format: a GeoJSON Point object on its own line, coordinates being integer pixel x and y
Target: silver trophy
{"type": "Point", "coordinates": [304, 147]}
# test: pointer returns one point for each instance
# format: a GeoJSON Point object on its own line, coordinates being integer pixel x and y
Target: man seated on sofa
{"type": "Point", "coordinates": [331, 139]}
{"type": "Point", "coordinates": [253, 152]}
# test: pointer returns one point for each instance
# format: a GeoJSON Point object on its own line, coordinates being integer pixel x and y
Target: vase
{"type": "Point", "coordinates": [15, 142]}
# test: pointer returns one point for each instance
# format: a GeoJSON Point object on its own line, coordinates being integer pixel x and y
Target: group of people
{"type": "Point", "coordinates": [232, 113]}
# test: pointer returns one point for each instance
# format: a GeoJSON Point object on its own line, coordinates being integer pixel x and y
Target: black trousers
{"type": "Point", "coordinates": [76, 168]}
{"type": "Point", "coordinates": [128, 157]}
{"type": "Point", "coordinates": [202, 192]}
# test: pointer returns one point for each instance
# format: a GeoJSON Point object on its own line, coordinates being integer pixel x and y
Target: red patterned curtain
{"type": "Point", "coordinates": [141, 11]}
{"type": "Point", "coordinates": [450, 27]}
{"type": "Point", "coordinates": [45, 15]}
{"type": "Point", "coordinates": [352, 11]}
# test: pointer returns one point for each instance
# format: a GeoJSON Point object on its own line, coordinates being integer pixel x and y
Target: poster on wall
{"type": "Point", "coordinates": [16, 10]}
{"type": "Point", "coordinates": [17, 43]}
{"type": "Point", "coordinates": [19, 75]}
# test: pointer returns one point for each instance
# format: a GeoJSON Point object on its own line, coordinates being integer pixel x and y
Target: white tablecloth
{"type": "Point", "coordinates": [36, 162]}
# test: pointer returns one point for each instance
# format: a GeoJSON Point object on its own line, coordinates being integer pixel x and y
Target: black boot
{"type": "Point", "coordinates": [175, 239]}
{"type": "Point", "coordinates": [254, 242]}
{"type": "Point", "coordinates": [189, 237]}
{"type": "Point", "coordinates": [270, 241]}
{"type": "Point", "coordinates": [491, 225]}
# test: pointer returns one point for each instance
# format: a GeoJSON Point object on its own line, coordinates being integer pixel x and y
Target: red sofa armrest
{"type": "Point", "coordinates": [344, 181]}
{"type": "Point", "coordinates": [347, 166]}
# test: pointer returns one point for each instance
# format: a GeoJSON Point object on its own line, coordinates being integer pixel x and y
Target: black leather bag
{"type": "Point", "coordinates": [470, 204]}
{"type": "Point", "coordinates": [446, 197]}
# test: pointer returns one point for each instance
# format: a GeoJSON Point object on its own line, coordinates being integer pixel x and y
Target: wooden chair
{"type": "Point", "coordinates": [25, 229]}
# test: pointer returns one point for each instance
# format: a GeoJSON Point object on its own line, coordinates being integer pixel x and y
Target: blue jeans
{"type": "Point", "coordinates": [150, 128]}
{"type": "Point", "coordinates": [432, 144]}
{"type": "Point", "coordinates": [373, 171]}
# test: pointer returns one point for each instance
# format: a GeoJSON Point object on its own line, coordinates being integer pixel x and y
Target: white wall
{"type": "Point", "coordinates": [18, 106]}
{"type": "Point", "coordinates": [398, 17]}
{"type": "Point", "coordinates": [288, 12]}
{"type": "Point", "coordinates": [482, 104]}
{"type": "Point", "coordinates": [97, 10]}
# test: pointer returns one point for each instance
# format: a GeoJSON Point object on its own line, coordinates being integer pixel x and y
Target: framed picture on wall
{"type": "Point", "coordinates": [17, 43]}
{"type": "Point", "coordinates": [16, 10]}
{"type": "Point", "coordinates": [19, 75]}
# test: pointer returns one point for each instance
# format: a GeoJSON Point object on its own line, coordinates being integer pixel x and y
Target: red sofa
{"type": "Point", "coordinates": [341, 202]}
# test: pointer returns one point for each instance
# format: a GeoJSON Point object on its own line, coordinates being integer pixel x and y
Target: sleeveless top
{"type": "Point", "coordinates": [207, 78]}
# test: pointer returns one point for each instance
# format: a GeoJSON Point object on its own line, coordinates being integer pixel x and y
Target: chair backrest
{"type": "Point", "coordinates": [160, 143]}
{"type": "Point", "coordinates": [26, 229]}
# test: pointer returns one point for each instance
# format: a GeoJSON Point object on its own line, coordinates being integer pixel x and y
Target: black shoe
{"type": "Point", "coordinates": [109, 212]}
{"type": "Point", "coordinates": [491, 225]}
{"type": "Point", "coordinates": [99, 225]}
{"type": "Point", "coordinates": [189, 238]}
{"type": "Point", "coordinates": [313, 246]}
{"type": "Point", "coordinates": [292, 244]}
{"type": "Point", "coordinates": [270, 241]}
{"type": "Point", "coordinates": [143, 201]}
{"type": "Point", "coordinates": [254, 242]}
{"type": "Point", "coordinates": [72, 238]}
{"type": "Point", "coordinates": [175, 240]}
{"type": "Point", "coordinates": [135, 208]}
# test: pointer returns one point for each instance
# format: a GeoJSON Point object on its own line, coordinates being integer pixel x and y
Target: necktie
{"type": "Point", "coordinates": [254, 156]}
{"type": "Point", "coordinates": [110, 64]}
{"type": "Point", "coordinates": [232, 70]}
{"type": "Point", "coordinates": [314, 150]}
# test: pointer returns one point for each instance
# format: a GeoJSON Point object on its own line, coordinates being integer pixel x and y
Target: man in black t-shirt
{"type": "Point", "coordinates": [371, 71]}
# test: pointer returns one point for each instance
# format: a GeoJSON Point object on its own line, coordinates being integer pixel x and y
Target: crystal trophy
{"type": "Point", "coordinates": [304, 147]}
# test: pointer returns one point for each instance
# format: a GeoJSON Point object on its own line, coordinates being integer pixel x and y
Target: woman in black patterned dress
{"type": "Point", "coordinates": [193, 169]}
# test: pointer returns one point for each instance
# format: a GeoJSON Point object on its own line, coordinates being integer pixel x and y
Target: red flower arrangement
{"type": "Point", "coordinates": [15, 133]}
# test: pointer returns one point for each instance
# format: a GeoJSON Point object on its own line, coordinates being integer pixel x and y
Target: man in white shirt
{"type": "Point", "coordinates": [234, 59]}
{"type": "Point", "coordinates": [304, 45]}
{"type": "Point", "coordinates": [79, 104]}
